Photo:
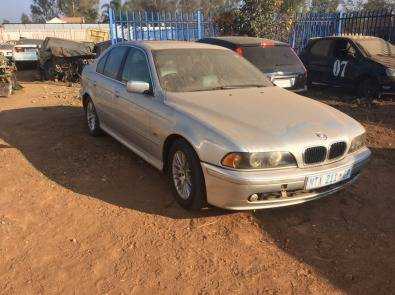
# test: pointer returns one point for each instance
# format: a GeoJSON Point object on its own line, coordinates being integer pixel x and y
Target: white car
{"type": "Point", "coordinates": [25, 53]}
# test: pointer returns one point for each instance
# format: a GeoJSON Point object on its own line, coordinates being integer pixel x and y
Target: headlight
{"type": "Point", "coordinates": [357, 143]}
{"type": "Point", "coordinates": [258, 160]}
{"type": "Point", "coordinates": [390, 72]}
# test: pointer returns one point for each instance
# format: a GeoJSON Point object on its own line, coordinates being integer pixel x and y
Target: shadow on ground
{"type": "Point", "coordinates": [56, 142]}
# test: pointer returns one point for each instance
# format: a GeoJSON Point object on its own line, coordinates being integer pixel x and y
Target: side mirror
{"type": "Point", "coordinates": [138, 87]}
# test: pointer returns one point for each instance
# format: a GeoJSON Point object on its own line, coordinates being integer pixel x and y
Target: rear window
{"type": "Point", "coordinates": [269, 58]}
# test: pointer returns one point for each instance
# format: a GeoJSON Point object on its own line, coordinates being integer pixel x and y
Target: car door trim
{"type": "Point", "coordinates": [147, 157]}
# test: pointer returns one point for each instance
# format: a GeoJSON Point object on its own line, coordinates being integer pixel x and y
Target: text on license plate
{"type": "Point", "coordinates": [327, 178]}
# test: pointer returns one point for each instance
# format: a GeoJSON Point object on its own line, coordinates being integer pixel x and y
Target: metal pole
{"type": "Point", "coordinates": [339, 28]}
{"type": "Point", "coordinates": [113, 33]}
{"type": "Point", "coordinates": [200, 24]}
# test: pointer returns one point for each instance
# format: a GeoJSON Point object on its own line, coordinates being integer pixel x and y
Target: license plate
{"type": "Point", "coordinates": [327, 178]}
{"type": "Point", "coordinates": [284, 83]}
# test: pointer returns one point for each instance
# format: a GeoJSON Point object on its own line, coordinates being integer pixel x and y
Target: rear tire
{"type": "Point", "coordinates": [185, 176]}
{"type": "Point", "coordinates": [92, 119]}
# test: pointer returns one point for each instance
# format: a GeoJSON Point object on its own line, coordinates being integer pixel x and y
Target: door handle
{"type": "Point", "coordinates": [94, 83]}
{"type": "Point", "coordinates": [116, 94]}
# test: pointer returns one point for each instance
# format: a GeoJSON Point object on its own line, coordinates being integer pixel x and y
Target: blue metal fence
{"type": "Point", "coordinates": [137, 25]}
{"type": "Point", "coordinates": [373, 23]}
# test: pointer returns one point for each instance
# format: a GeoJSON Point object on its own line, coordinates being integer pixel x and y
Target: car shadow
{"type": "Point", "coordinates": [55, 141]}
{"type": "Point", "coordinates": [348, 238]}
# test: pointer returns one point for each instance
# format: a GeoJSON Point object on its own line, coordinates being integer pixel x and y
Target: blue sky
{"type": "Point", "coordinates": [12, 9]}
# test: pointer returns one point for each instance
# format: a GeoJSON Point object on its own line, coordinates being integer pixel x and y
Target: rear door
{"type": "Point", "coordinates": [107, 82]}
{"type": "Point", "coordinates": [319, 61]}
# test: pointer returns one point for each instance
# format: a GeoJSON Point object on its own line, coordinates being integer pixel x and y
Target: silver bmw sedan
{"type": "Point", "coordinates": [222, 132]}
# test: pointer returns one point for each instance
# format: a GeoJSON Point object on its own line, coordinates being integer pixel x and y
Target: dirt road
{"type": "Point", "coordinates": [85, 215]}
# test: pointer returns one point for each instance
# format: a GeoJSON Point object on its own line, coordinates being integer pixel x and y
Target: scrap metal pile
{"type": "Point", "coordinates": [8, 80]}
{"type": "Point", "coordinates": [63, 60]}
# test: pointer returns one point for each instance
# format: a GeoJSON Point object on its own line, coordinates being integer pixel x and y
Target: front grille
{"type": "Point", "coordinates": [315, 155]}
{"type": "Point", "coordinates": [337, 150]}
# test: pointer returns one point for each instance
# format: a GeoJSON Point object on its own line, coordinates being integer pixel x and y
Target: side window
{"type": "Point", "coordinates": [101, 64]}
{"type": "Point", "coordinates": [136, 67]}
{"type": "Point", "coordinates": [344, 49]}
{"type": "Point", "coordinates": [114, 61]}
{"type": "Point", "coordinates": [321, 48]}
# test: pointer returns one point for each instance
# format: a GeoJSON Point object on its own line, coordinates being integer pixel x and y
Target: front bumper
{"type": "Point", "coordinates": [230, 189]}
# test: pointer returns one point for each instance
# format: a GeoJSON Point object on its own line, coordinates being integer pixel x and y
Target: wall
{"type": "Point", "coordinates": [76, 32]}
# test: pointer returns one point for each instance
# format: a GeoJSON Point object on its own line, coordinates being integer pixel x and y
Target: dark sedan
{"type": "Point", "coordinates": [275, 59]}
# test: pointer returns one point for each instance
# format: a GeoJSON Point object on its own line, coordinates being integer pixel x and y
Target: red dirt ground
{"type": "Point", "coordinates": [85, 215]}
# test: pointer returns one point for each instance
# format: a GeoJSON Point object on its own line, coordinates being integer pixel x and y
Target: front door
{"type": "Point", "coordinates": [132, 109]}
{"type": "Point", "coordinates": [344, 63]}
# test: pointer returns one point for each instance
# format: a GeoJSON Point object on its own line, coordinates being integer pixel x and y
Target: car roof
{"type": "Point", "coordinates": [242, 40]}
{"type": "Point", "coordinates": [350, 37]}
{"type": "Point", "coordinates": [169, 44]}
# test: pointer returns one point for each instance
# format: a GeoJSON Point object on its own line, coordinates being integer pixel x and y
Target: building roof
{"type": "Point", "coordinates": [66, 20]}
{"type": "Point", "coordinates": [73, 20]}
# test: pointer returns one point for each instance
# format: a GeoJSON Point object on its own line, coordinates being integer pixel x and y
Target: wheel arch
{"type": "Point", "coordinates": [168, 144]}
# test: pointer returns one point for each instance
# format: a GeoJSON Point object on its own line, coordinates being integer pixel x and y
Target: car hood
{"type": "Point", "coordinates": [258, 119]}
{"type": "Point", "coordinates": [385, 60]}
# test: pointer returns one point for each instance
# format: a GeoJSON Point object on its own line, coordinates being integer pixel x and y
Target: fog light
{"type": "Point", "coordinates": [253, 198]}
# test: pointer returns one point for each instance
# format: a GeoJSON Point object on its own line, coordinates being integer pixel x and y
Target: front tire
{"type": "Point", "coordinates": [186, 176]}
{"type": "Point", "coordinates": [92, 119]}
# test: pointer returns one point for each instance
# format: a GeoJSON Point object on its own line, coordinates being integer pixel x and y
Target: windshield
{"type": "Point", "coordinates": [188, 70]}
{"type": "Point", "coordinates": [268, 59]}
{"type": "Point", "coordinates": [376, 46]}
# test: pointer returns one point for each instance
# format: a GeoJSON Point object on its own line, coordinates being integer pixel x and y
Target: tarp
{"type": "Point", "coordinates": [66, 48]}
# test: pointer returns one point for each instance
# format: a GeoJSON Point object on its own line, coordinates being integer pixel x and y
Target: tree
{"type": "Point", "coordinates": [267, 18]}
{"type": "Point", "coordinates": [80, 8]}
{"type": "Point", "coordinates": [105, 9]}
{"type": "Point", "coordinates": [324, 5]}
{"type": "Point", "coordinates": [44, 10]}
{"type": "Point", "coordinates": [378, 4]}
{"type": "Point", "coordinates": [25, 19]}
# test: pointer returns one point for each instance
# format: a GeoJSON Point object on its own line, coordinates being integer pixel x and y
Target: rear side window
{"type": "Point", "coordinates": [101, 64]}
{"type": "Point", "coordinates": [114, 61]}
{"type": "Point", "coordinates": [321, 48]}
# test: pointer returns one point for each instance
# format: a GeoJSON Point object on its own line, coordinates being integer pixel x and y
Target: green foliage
{"type": "Point", "coordinates": [80, 8]}
{"type": "Point", "coordinates": [379, 4]}
{"type": "Point", "coordinates": [324, 5]}
{"type": "Point", "coordinates": [261, 18]}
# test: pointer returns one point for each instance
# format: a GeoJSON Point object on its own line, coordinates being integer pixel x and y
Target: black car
{"type": "Point", "coordinates": [276, 59]}
{"type": "Point", "coordinates": [363, 63]}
